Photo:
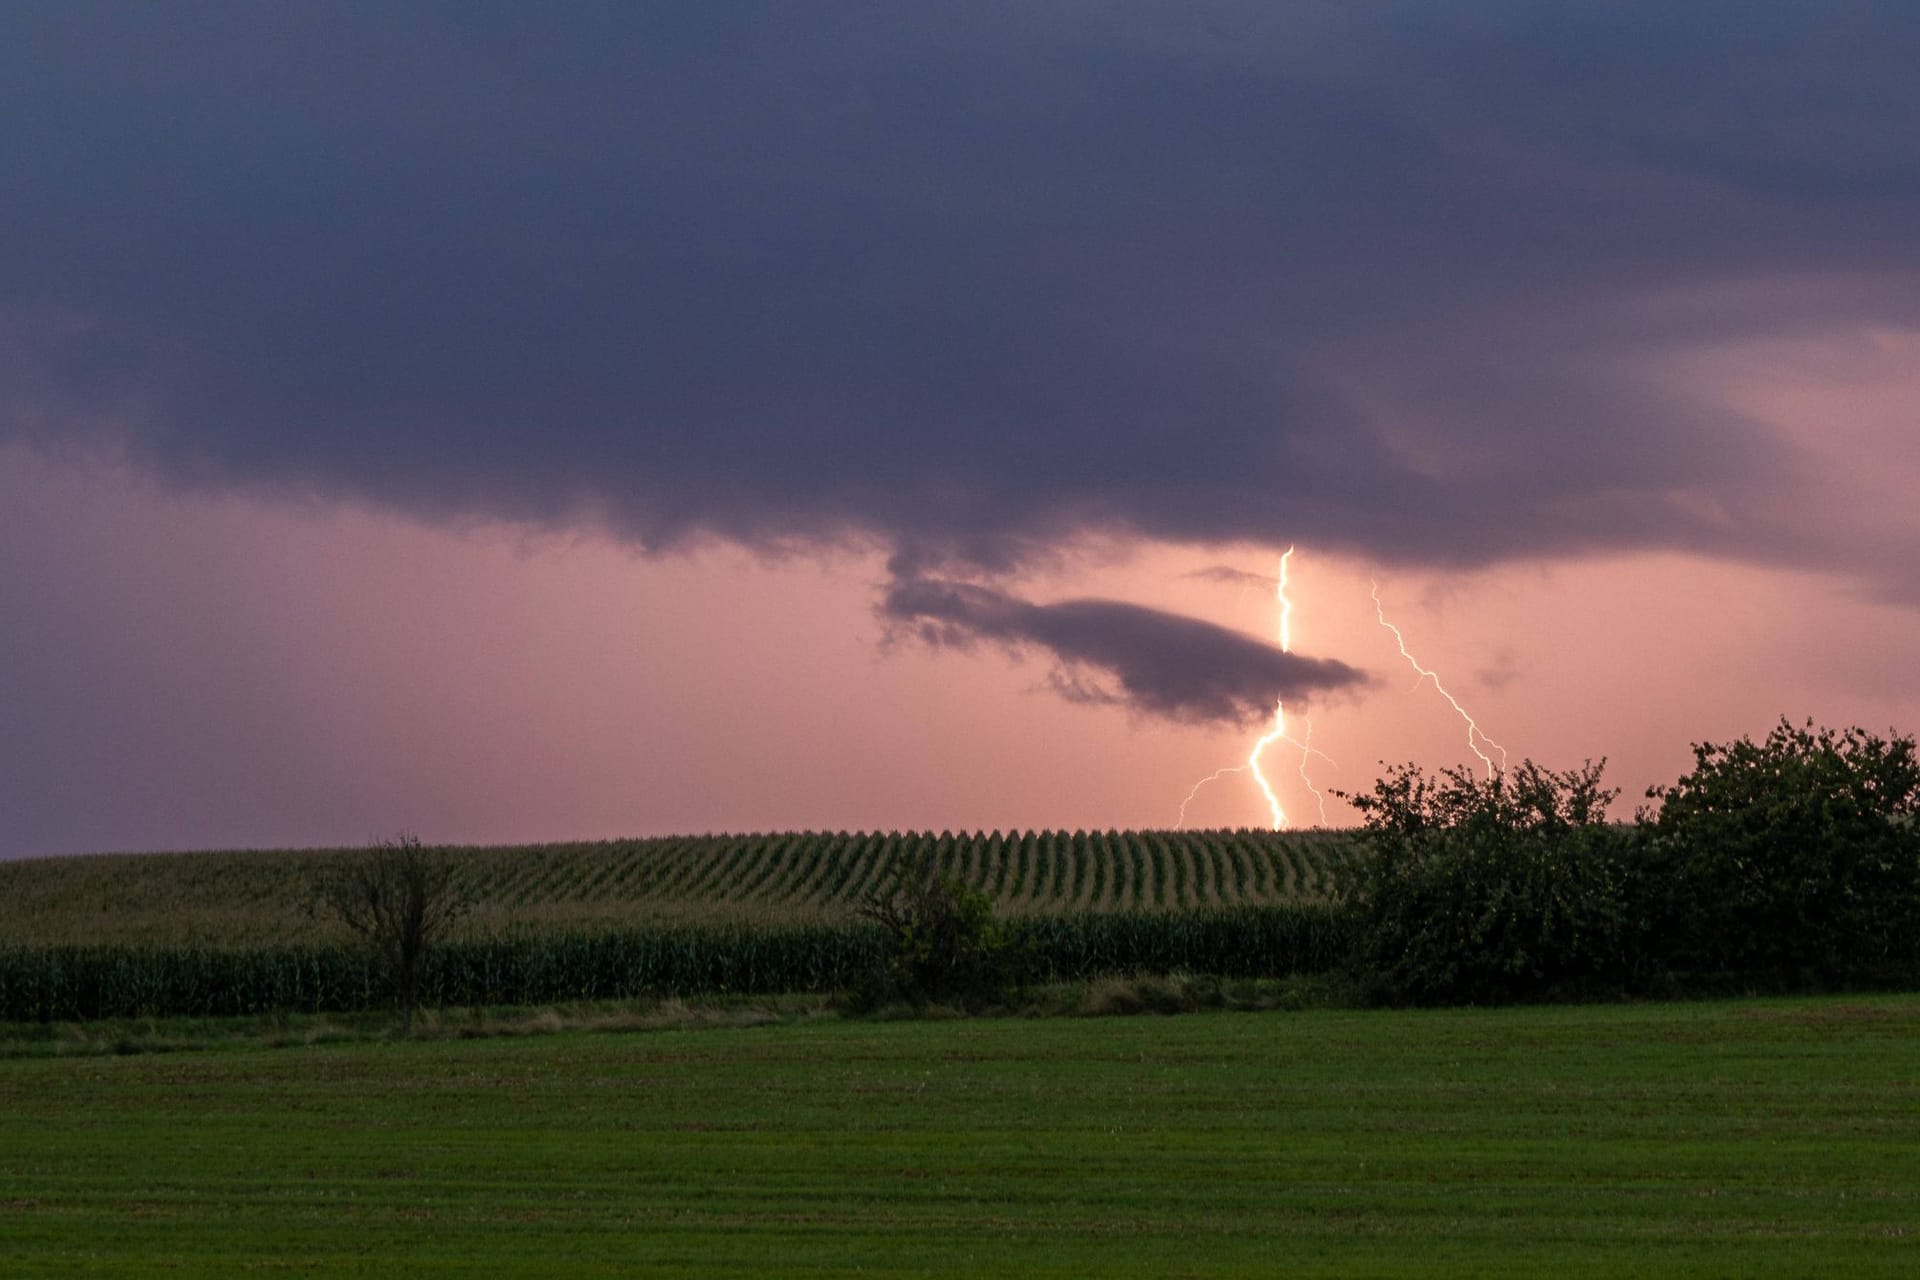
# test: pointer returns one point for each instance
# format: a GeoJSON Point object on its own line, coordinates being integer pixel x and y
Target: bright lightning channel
{"type": "Point", "coordinates": [1279, 730]}
{"type": "Point", "coordinates": [1475, 735]}
{"type": "Point", "coordinates": [1278, 733]}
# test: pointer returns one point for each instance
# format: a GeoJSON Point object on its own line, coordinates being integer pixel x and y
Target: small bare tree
{"type": "Point", "coordinates": [400, 898]}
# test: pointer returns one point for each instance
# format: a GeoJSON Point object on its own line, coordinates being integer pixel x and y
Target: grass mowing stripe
{"type": "Point", "coordinates": [1770, 1137]}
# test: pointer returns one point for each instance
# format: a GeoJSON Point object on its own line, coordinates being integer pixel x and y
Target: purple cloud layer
{"type": "Point", "coordinates": [1406, 280]}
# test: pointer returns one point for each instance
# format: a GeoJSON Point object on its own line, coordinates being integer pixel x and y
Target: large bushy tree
{"type": "Point", "coordinates": [1790, 862]}
{"type": "Point", "coordinates": [1484, 890]}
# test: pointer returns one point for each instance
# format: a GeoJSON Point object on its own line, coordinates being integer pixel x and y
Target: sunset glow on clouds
{"type": "Point", "coordinates": [512, 426]}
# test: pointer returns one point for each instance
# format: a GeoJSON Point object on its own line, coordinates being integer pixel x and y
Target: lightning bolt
{"type": "Point", "coordinates": [1475, 735]}
{"type": "Point", "coordinates": [1215, 776]}
{"type": "Point", "coordinates": [1307, 751]}
{"type": "Point", "coordinates": [1277, 733]}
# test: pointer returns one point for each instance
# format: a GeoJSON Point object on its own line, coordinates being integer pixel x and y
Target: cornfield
{"type": "Point", "coordinates": [235, 933]}
{"type": "Point", "coordinates": [254, 899]}
{"type": "Point", "coordinates": [66, 983]}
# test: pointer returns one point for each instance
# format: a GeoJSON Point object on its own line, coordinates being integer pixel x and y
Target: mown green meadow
{"type": "Point", "coordinates": [1773, 1137]}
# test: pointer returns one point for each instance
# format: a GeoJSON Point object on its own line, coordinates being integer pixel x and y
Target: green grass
{"type": "Point", "coordinates": [1764, 1137]}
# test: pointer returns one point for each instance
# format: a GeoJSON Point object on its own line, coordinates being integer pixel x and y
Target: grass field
{"type": "Point", "coordinates": [1736, 1139]}
{"type": "Point", "coordinates": [250, 898]}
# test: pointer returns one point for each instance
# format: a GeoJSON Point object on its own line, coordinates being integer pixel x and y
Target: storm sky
{"type": "Point", "coordinates": [519, 422]}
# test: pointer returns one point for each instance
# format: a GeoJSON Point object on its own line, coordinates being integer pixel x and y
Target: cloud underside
{"type": "Point", "coordinates": [1109, 651]}
{"type": "Point", "coordinates": [1402, 282]}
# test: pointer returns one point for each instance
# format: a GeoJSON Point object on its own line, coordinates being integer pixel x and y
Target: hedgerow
{"type": "Point", "coordinates": [1788, 864]}
{"type": "Point", "coordinates": [1510, 887]}
{"type": "Point", "coordinates": [1792, 862]}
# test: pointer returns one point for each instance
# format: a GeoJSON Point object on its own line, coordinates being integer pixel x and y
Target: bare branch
{"type": "Point", "coordinates": [400, 898]}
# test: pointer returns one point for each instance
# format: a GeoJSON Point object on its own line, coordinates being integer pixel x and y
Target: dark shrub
{"type": "Point", "coordinates": [1486, 890]}
{"type": "Point", "coordinates": [941, 941]}
{"type": "Point", "coordinates": [1791, 862]}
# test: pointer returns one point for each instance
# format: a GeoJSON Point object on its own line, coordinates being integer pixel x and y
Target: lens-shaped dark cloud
{"type": "Point", "coordinates": [1232, 577]}
{"type": "Point", "coordinates": [1405, 280]}
{"type": "Point", "coordinates": [1158, 663]}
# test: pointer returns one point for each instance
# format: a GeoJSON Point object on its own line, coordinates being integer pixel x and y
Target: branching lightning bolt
{"type": "Point", "coordinates": [1307, 750]}
{"type": "Point", "coordinates": [1215, 776]}
{"type": "Point", "coordinates": [1277, 733]}
{"type": "Point", "coordinates": [1475, 735]}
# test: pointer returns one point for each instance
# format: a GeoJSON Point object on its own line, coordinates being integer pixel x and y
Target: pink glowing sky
{"type": "Point", "coordinates": [509, 425]}
{"type": "Point", "coordinates": [229, 671]}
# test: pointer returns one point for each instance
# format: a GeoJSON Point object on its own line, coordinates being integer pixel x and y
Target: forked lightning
{"type": "Point", "coordinates": [1277, 733]}
{"type": "Point", "coordinates": [1475, 736]}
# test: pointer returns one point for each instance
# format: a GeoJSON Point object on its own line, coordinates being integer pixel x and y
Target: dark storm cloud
{"type": "Point", "coordinates": [1161, 663]}
{"type": "Point", "coordinates": [1232, 577]}
{"type": "Point", "coordinates": [1401, 279]}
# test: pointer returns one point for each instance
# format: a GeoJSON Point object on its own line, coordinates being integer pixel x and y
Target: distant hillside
{"type": "Point", "coordinates": [244, 898]}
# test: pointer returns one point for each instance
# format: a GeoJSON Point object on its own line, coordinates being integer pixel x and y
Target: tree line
{"type": "Point", "coordinates": [1792, 863]}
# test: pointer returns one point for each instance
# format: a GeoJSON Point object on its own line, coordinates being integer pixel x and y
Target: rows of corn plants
{"type": "Point", "coordinates": [70, 983]}
{"type": "Point", "coordinates": [248, 899]}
